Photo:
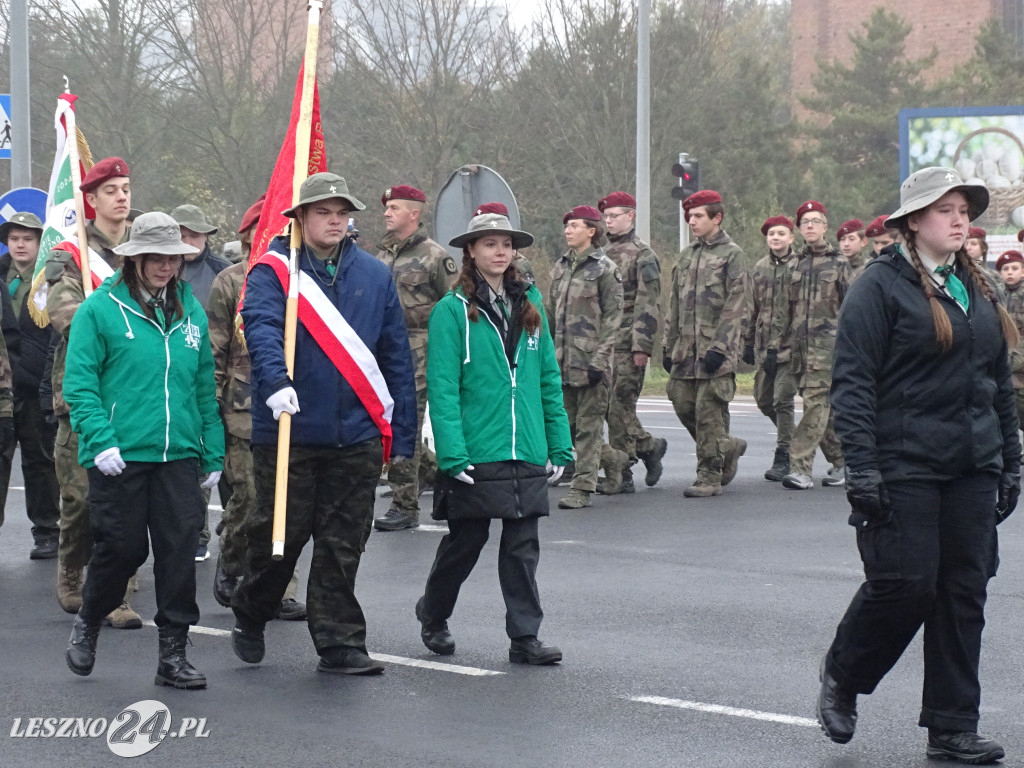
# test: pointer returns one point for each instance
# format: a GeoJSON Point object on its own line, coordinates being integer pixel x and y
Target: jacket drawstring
{"type": "Point", "coordinates": [127, 325]}
{"type": "Point", "coordinates": [465, 311]}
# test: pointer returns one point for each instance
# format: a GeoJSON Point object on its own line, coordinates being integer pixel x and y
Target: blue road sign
{"type": "Point", "coordinates": [22, 199]}
{"type": "Point", "coordinates": [5, 126]}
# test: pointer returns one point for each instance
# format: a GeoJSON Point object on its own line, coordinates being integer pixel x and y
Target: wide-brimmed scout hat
{"type": "Point", "coordinates": [924, 187]}
{"type": "Point", "coordinates": [323, 186]}
{"type": "Point", "coordinates": [492, 224]}
{"type": "Point", "coordinates": [23, 219]}
{"type": "Point", "coordinates": [192, 217]}
{"type": "Point", "coordinates": [155, 233]}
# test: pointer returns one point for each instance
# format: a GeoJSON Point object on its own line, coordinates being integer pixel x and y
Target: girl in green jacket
{"type": "Point", "coordinates": [495, 398]}
{"type": "Point", "coordinates": [139, 382]}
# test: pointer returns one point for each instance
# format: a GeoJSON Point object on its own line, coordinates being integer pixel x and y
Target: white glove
{"type": "Point", "coordinates": [211, 480]}
{"type": "Point", "coordinates": [464, 478]}
{"type": "Point", "coordinates": [554, 473]}
{"type": "Point", "coordinates": [283, 401]}
{"type": "Point", "coordinates": [109, 462]}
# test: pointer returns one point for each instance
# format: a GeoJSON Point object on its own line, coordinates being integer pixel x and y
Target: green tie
{"type": "Point", "coordinates": [954, 286]}
{"type": "Point", "coordinates": [15, 283]}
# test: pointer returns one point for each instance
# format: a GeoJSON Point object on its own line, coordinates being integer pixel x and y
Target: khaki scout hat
{"type": "Point", "coordinates": [491, 224]}
{"type": "Point", "coordinates": [155, 233]}
{"type": "Point", "coordinates": [23, 219]}
{"type": "Point", "coordinates": [192, 217]}
{"type": "Point", "coordinates": [924, 187]}
{"type": "Point", "coordinates": [323, 186]}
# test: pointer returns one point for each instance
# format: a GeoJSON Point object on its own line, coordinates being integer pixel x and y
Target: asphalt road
{"type": "Point", "coordinates": [692, 631]}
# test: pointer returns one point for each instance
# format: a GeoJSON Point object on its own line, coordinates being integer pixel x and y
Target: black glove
{"type": "Point", "coordinates": [1009, 491]}
{"type": "Point", "coordinates": [666, 363]}
{"type": "Point", "coordinates": [594, 376]}
{"type": "Point", "coordinates": [867, 495]}
{"type": "Point", "coordinates": [48, 434]}
{"type": "Point", "coordinates": [771, 362]}
{"type": "Point", "coordinates": [6, 433]}
{"type": "Point", "coordinates": [748, 355]}
{"type": "Point", "coordinates": [713, 360]}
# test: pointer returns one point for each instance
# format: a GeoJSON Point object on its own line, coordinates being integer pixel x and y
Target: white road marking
{"type": "Point", "coordinates": [199, 630]}
{"type": "Point", "coordinates": [433, 528]}
{"type": "Point", "coordinates": [719, 709]}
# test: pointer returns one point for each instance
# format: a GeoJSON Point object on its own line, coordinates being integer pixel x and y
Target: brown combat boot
{"type": "Point", "coordinates": [123, 617]}
{"type": "Point", "coordinates": [615, 466]}
{"type": "Point", "coordinates": [702, 489]}
{"type": "Point", "coordinates": [731, 460]}
{"type": "Point", "coordinates": [69, 588]}
{"type": "Point", "coordinates": [574, 499]}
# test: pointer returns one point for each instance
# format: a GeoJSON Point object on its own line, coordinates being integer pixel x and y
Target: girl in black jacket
{"type": "Point", "coordinates": [925, 413]}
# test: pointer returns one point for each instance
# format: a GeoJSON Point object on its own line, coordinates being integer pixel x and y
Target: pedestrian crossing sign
{"type": "Point", "coordinates": [5, 126]}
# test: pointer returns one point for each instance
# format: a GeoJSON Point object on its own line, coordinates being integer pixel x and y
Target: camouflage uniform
{"type": "Point", "coordinates": [775, 394]}
{"type": "Point", "coordinates": [818, 284]}
{"type": "Point", "coordinates": [6, 386]}
{"type": "Point", "coordinates": [1015, 306]}
{"type": "Point", "coordinates": [641, 293]}
{"type": "Point", "coordinates": [423, 272]}
{"type": "Point", "coordinates": [525, 269]}
{"type": "Point", "coordinates": [584, 308]}
{"type": "Point", "coordinates": [64, 295]}
{"type": "Point", "coordinates": [858, 262]}
{"type": "Point", "coordinates": [708, 306]}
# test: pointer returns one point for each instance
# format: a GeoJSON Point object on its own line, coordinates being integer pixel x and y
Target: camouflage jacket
{"type": "Point", "coordinates": [584, 307]}
{"type": "Point", "coordinates": [708, 306]}
{"type": "Point", "coordinates": [232, 369]}
{"type": "Point", "coordinates": [641, 292]}
{"type": "Point", "coordinates": [1015, 306]}
{"type": "Point", "coordinates": [525, 269]}
{"type": "Point", "coordinates": [858, 262]}
{"type": "Point", "coordinates": [65, 294]}
{"type": "Point", "coordinates": [423, 272]}
{"type": "Point", "coordinates": [769, 314]}
{"type": "Point", "coordinates": [818, 284]}
{"type": "Point", "coordinates": [6, 382]}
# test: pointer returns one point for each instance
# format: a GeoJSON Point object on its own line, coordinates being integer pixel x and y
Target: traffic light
{"type": "Point", "coordinates": [688, 172]}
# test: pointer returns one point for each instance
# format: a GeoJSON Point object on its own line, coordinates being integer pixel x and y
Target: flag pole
{"type": "Point", "coordinates": [302, 134]}
{"type": "Point", "coordinates": [76, 182]}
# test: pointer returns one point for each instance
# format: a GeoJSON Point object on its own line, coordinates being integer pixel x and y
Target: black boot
{"type": "Point", "coordinates": [780, 466]}
{"type": "Point", "coordinates": [174, 669]}
{"type": "Point", "coordinates": [81, 652]}
{"type": "Point", "coordinates": [224, 584]}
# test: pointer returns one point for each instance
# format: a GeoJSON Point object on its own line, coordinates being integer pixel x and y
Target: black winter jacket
{"type": "Point", "coordinates": [903, 406]}
{"type": "Point", "coordinates": [30, 360]}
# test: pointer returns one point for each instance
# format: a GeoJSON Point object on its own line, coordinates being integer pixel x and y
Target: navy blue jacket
{"type": "Point", "coordinates": [331, 414]}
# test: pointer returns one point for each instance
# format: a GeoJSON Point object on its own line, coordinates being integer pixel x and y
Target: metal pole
{"type": "Point", "coordinates": [684, 228]}
{"type": "Point", "coordinates": [643, 120]}
{"type": "Point", "coordinates": [21, 127]}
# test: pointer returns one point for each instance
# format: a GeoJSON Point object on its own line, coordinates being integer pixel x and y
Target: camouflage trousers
{"type": "Point", "coordinates": [330, 498]}
{"type": "Point", "coordinates": [702, 406]}
{"type": "Point", "coordinates": [587, 408]}
{"type": "Point", "coordinates": [75, 532]}
{"type": "Point", "coordinates": [813, 430]}
{"type": "Point", "coordinates": [775, 397]}
{"type": "Point", "coordinates": [42, 493]}
{"type": "Point", "coordinates": [405, 478]}
{"type": "Point", "coordinates": [625, 432]}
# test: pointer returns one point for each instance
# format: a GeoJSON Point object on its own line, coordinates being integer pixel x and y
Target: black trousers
{"type": "Point", "coordinates": [330, 498]}
{"type": "Point", "coordinates": [518, 555]}
{"type": "Point", "coordinates": [929, 566]}
{"type": "Point", "coordinates": [164, 499]}
{"type": "Point", "coordinates": [42, 493]}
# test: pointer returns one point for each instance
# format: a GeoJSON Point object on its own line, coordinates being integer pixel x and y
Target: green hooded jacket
{"type": "Point", "coordinates": [132, 385]}
{"type": "Point", "coordinates": [481, 408]}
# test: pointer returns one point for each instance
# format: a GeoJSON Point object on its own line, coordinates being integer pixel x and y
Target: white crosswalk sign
{"type": "Point", "coordinates": [5, 126]}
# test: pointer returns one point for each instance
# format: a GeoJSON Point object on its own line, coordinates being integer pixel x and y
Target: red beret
{"type": "Point", "coordinates": [1008, 258]}
{"type": "Point", "coordinates": [499, 208]}
{"type": "Point", "coordinates": [976, 232]}
{"type": "Point", "coordinates": [252, 216]}
{"type": "Point", "coordinates": [877, 227]}
{"type": "Point", "coordinates": [776, 221]}
{"type": "Point", "coordinates": [1020, 236]}
{"type": "Point", "coordinates": [107, 168]}
{"type": "Point", "coordinates": [810, 205]}
{"type": "Point", "coordinates": [697, 199]}
{"type": "Point", "coordinates": [848, 227]}
{"type": "Point", "coordinates": [587, 212]}
{"type": "Point", "coordinates": [403, 192]}
{"type": "Point", "coordinates": [616, 200]}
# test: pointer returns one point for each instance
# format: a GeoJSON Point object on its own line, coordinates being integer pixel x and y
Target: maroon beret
{"type": "Point", "coordinates": [697, 199]}
{"type": "Point", "coordinates": [403, 192]}
{"type": "Point", "coordinates": [1008, 258]}
{"type": "Point", "coordinates": [1020, 236]}
{"type": "Point", "coordinates": [587, 212]}
{"type": "Point", "coordinates": [616, 200]}
{"type": "Point", "coordinates": [499, 208]}
{"type": "Point", "coordinates": [848, 227]}
{"type": "Point", "coordinates": [877, 227]}
{"type": "Point", "coordinates": [976, 232]}
{"type": "Point", "coordinates": [776, 221]}
{"type": "Point", "coordinates": [252, 216]}
{"type": "Point", "coordinates": [107, 168]}
{"type": "Point", "coordinates": [810, 205]}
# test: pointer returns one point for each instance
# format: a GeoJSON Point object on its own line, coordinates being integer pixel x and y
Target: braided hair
{"type": "Point", "coordinates": [943, 329]}
{"type": "Point", "coordinates": [529, 315]}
